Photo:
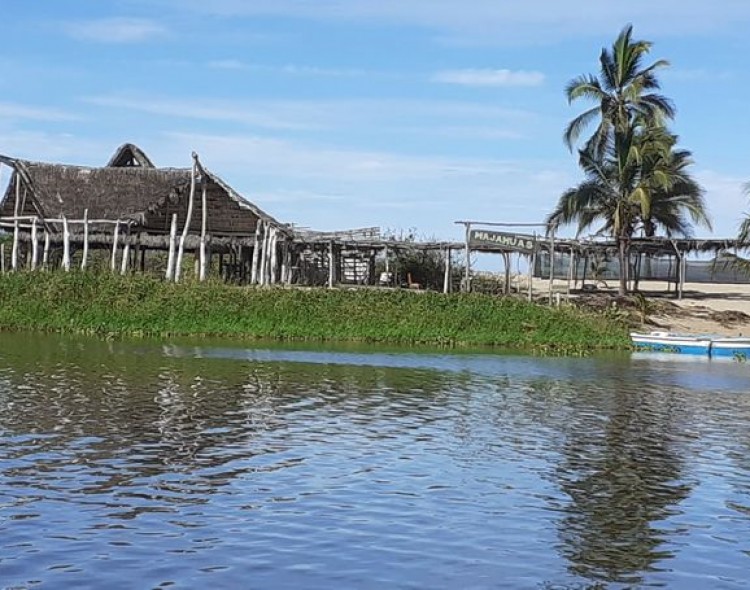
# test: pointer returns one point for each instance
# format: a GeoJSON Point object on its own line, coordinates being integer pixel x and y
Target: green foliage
{"type": "Point", "coordinates": [143, 305]}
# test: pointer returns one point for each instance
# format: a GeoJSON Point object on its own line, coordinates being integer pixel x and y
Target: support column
{"type": "Point", "coordinates": [85, 256]}
{"type": "Point", "coordinates": [447, 272]}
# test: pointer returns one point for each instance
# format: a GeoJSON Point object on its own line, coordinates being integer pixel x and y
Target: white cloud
{"type": "Point", "coordinates": [359, 188]}
{"type": "Point", "coordinates": [449, 118]}
{"type": "Point", "coordinates": [501, 22]}
{"type": "Point", "coordinates": [115, 30]}
{"type": "Point", "coordinates": [288, 69]}
{"type": "Point", "coordinates": [490, 78]}
{"type": "Point", "coordinates": [207, 110]}
{"type": "Point", "coordinates": [10, 111]}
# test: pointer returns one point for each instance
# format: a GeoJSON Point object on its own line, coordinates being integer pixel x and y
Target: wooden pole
{"type": "Point", "coordinates": [125, 253]}
{"type": "Point", "coordinates": [34, 245]}
{"type": "Point", "coordinates": [2, 258]}
{"type": "Point", "coordinates": [256, 254]}
{"type": "Point", "coordinates": [263, 255]}
{"type": "Point", "coordinates": [274, 256]}
{"type": "Point", "coordinates": [284, 259]}
{"type": "Point", "coordinates": [570, 271]}
{"type": "Point", "coordinates": [330, 265]}
{"type": "Point", "coordinates": [204, 222]}
{"type": "Point", "coordinates": [467, 277]}
{"type": "Point", "coordinates": [551, 262]}
{"type": "Point", "coordinates": [85, 257]}
{"type": "Point", "coordinates": [115, 237]}
{"type": "Point", "coordinates": [186, 228]}
{"type": "Point", "coordinates": [506, 261]}
{"type": "Point", "coordinates": [66, 245]}
{"type": "Point", "coordinates": [532, 264]}
{"type": "Point", "coordinates": [45, 253]}
{"type": "Point", "coordinates": [447, 272]}
{"type": "Point", "coordinates": [172, 240]}
{"type": "Point", "coordinates": [14, 250]}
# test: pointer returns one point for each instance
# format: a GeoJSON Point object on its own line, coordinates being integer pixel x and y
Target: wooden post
{"type": "Point", "coordinates": [66, 245]}
{"type": "Point", "coordinates": [256, 254]}
{"type": "Point", "coordinates": [45, 253]}
{"type": "Point", "coordinates": [274, 256]}
{"type": "Point", "coordinates": [85, 256]}
{"type": "Point", "coordinates": [330, 265]}
{"type": "Point", "coordinates": [284, 252]}
{"type": "Point", "coordinates": [263, 255]}
{"type": "Point", "coordinates": [570, 271]}
{"type": "Point", "coordinates": [467, 277]}
{"type": "Point", "coordinates": [142, 250]}
{"type": "Point", "coordinates": [532, 264]}
{"type": "Point", "coordinates": [14, 251]}
{"type": "Point", "coordinates": [447, 273]}
{"type": "Point", "coordinates": [115, 237]}
{"type": "Point", "coordinates": [551, 262]}
{"type": "Point", "coordinates": [34, 245]}
{"type": "Point", "coordinates": [188, 219]}
{"type": "Point", "coordinates": [2, 258]}
{"type": "Point", "coordinates": [506, 263]}
{"type": "Point", "coordinates": [204, 222]}
{"type": "Point", "coordinates": [683, 270]}
{"type": "Point", "coordinates": [125, 253]}
{"type": "Point", "coordinates": [172, 239]}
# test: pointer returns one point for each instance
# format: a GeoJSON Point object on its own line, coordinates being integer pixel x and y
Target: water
{"type": "Point", "coordinates": [215, 464]}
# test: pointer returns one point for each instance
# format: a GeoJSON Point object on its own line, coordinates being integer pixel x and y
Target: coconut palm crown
{"type": "Point", "coordinates": [624, 92]}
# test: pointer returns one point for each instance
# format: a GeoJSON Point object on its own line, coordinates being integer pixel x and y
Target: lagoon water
{"type": "Point", "coordinates": [239, 465]}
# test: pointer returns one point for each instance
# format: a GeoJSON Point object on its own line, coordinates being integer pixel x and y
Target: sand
{"type": "Point", "coordinates": [704, 309]}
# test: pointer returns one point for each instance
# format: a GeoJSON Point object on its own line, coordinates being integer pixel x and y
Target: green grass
{"type": "Point", "coordinates": [143, 305]}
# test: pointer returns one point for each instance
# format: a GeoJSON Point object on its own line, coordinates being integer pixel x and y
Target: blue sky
{"type": "Point", "coordinates": [350, 113]}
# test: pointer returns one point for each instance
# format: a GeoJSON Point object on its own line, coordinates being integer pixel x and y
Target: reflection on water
{"type": "Point", "coordinates": [193, 464]}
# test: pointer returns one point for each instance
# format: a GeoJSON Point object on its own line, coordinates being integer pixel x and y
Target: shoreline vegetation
{"type": "Point", "coordinates": [138, 305]}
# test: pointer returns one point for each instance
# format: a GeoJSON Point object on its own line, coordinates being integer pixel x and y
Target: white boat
{"type": "Point", "coordinates": [737, 348]}
{"type": "Point", "coordinates": [669, 342]}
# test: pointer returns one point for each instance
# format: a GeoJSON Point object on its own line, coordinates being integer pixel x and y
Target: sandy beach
{"type": "Point", "coordinates": [705, 308]}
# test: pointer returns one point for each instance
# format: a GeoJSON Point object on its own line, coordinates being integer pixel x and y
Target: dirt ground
{"type": "Point", "coordinates": [704, 308]}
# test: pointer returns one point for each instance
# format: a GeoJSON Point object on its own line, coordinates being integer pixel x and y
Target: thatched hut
{"type": "Point", "coordinates": [144, 202]}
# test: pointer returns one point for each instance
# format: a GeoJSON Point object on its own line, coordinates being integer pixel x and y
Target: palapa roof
{"type": "Point", "coordinates": [130, 189]}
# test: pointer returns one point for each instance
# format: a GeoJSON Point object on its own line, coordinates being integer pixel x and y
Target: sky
{"type": "Point", "coordinates": [336, 114]}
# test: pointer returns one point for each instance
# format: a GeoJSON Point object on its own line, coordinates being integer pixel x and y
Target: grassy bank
{"type": "Point", "coordinates": [106, 304]}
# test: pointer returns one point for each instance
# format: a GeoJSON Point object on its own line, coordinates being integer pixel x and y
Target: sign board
{"type": "Point", "coordinates": [503, 241]}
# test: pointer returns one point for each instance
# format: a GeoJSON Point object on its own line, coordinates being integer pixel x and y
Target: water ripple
{"type": "Point", "coordinates": [141, 465]}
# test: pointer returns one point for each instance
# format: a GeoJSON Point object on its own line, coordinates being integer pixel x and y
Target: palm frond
{"type": "Point", "coordinates": [577, 125]}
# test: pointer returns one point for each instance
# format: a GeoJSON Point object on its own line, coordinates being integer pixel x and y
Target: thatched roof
{"type": "Point", "coordinates": [129, 154]}
{"type": "Point", "coordinates": [148, 197]}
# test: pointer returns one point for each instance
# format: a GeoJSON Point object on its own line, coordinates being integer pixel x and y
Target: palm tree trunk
{"type": "Point", "coordinates": [623, 255]}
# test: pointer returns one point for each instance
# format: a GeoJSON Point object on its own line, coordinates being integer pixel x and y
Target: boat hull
{"type": "Point", "coordinates": [674, 343]}
{"type": "Point", "coordinates": [737, 348]}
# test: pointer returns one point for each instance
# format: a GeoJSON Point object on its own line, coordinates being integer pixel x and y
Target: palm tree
{"type": "Point", "coordinates": [744, 234]}
{"type": "Point", "coordinates": [639, 181]}
{"type": "Point", "coordinates": [669, 197]}
{"type": "Point", "coordinates": [623, 93]}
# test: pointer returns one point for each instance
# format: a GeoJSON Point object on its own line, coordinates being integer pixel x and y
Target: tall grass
{"type": "Point", "coordinates": [110, 304]}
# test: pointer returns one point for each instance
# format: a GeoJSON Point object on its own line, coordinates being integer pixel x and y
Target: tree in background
{"type": "Point", "coordinates": [635, 177]}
